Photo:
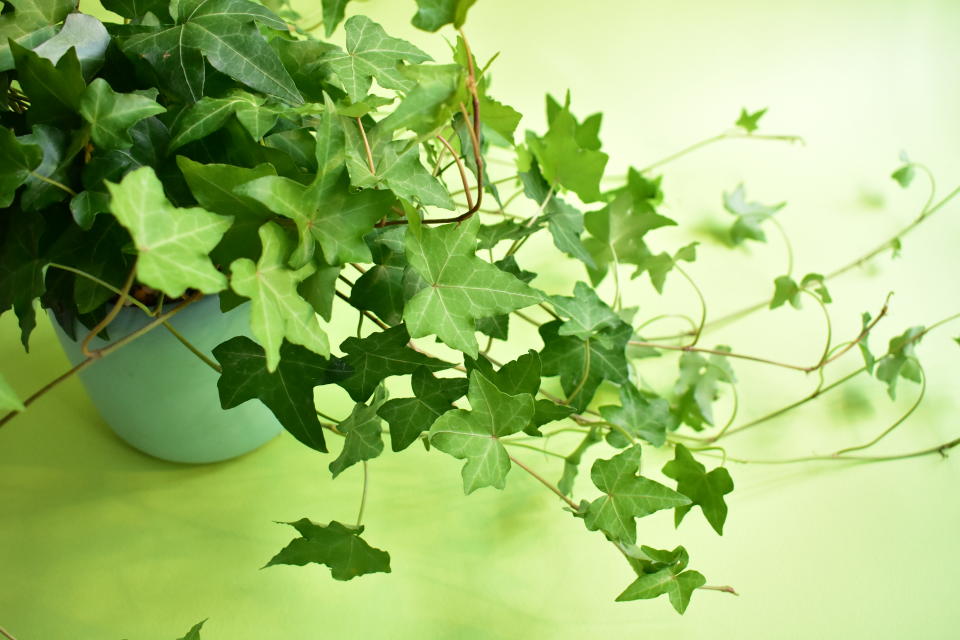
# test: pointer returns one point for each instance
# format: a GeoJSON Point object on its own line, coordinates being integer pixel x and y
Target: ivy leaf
{"type": "Point", "coordinates": [55, 91]}
{"type": "Point", "coordinates": [29, 24]}
{"type": "Point", "coordinates": [277, 311]}
{"type": "Point", "coordinates": [748, 121]}
{"type": "Point", "coordinates": [868, 358]}
{"type": "Point", "coordinates": [750, 215]}
{"type": "Point", "coordinates": [194, 633]}
{"type": "Point", "coordinates": [17, 162]}
{"type": "Point", "coordinates": [499, 326]}
{"type": "Point", "coordinates": [433, 14]}
{"type": "Point", "coordinates": [134, 9]}
{"type": "Point", "coordinates": [380, 355]}
{"type": "Point", "coordinates": [564, 160]}
{"type": "Point", "coordinates": [475, 435]}
{"type": "Point", "coordinates": [22, 264]}
{"type": "Point", "coordinates": [362, 434]}
{"type": "Point", "coordinates": [111, 114]}
{"type": "Point", "coordinates": [410, 417]}
{"type": "Point", "coordinates": [696, 388]}
{"type": "Point", "coordinates": [381, 289]}
{"type": "Point", "coordinates": [587, 313]}
{"type": "Point", "coordinates": [583, 364]}
{"type": "Point", "coordinates": [333, 11]}
{"type": "Point", "coordinates": [618, 230]}
{"type": "Point", "coordinates": [785, 289]}
{"type": "Point", "coordinates": [57, 158]}
{"type": "Point", "coordinates": [338, 546]}
{"type": "Point", "coordinates": [459, 287]}
{"type": "Point", "coordinates": [371, 54]}
{"type": "Point", "coordinates": [173, 244]}
{"type": "Point", "coordinates": [223, 32]}
{"type": "Point", "coordinates": [287, 391]}
{"type": "Point", "coordinates": [905, 174]}
{"type": "Point", "coordinates": [900, 361]}
{"type": "Point", "coordinates": [430, 105]}
{"type": "Point", "coordinates": [201, 119]}
{"type": "Point", "coordinates": [9, 401]}
{"type": "Point", "coordinates": [213, 185]}
{"type": "Point", "coordinates": [641, 415]}
{"type": "Point", "coordinates": [660, 265]}
{"type": "Point", "coordinates": [703, 489]}
{"type": "Point", "coordinates": [86, 35]}
{"type": "Point", "coordinates": [628, 496]}
{"type": "Point", "coordinates": [816, 283]}
{"type": "Point", "coordinates": [665, 577]}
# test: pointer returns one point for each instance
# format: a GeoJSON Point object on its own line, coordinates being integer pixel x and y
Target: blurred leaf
{"type": "Point", "coordinates": [748, 121]}
{"type": "Point", "coordinates": [640, 415]}
{"type": "Point", "coordinates": [433, 14]}
{"type": "Point", "coordinates": [750, 215]}
{"type": "Point", "coordinates": [9, 401]}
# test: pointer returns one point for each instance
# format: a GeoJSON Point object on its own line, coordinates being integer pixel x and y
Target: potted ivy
{"type": "Point", "coordinates": [188, 190]}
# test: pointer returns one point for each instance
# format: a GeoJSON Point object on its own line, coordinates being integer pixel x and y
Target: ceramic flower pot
{"type": "Point", "coordinates": [161, 399]}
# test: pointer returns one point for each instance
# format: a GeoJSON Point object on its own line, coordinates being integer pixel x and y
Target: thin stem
{"type": "Point", "coordinates": [545, 482]}
{"type": "Point", "coordinates": [363, 495]}
{"type": "Point", "coordinates": [53, 182]}
{"type": "Point", "coordinates": [546, 452]}
{"type": "Point", "coordinates": [786, 243]}
{"type": "Point", "coordinates": [703, 305]}
{"type": "Point", "coordinates": [724, 588]}
{"type": "Point", "coordinates": [372, 318]}
{"type": "Point", "coordinates": [102, 283]}
{"type": "Point", "coordinates": [6, 634]}
{"type": "Point", "coordinates": [462, 169]}
{"type": "Point", "coordinates": [515, 246]}
{"type": "Point", "coordinates": [717, 352]}
{"type": "Point", "coordinates": [829, 324]}
{"type": "Point", "coordinates": [586, 373]}
{"type": "Point", "coordinates": [733, 415]}
{"type": "Point", "coordinates": [790, 407]}
{"type": "Point", "coordinates": [193, 348]}
{"type": "Point", "coordinates": [493, 182]}
{"type": "Point", "coordinates": [667, 316]}
{"type": "Point", "coordinates": [123, 296]}
{"type": "Point", "coordinates": [727, 135]}
{"type": "Point", "coordinates": [883, 434]}
{"type": "Point", "coordinates": [366, 147]}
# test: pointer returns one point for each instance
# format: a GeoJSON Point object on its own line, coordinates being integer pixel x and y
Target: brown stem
{"type": "Point", "coordinates": [6, 634]}
{"type": "Point", "coordinates": [111, 315]}
{"type": "Point", "coordinates": [461, 169]}
{"type": "Point", "coordinates": [372, 318]}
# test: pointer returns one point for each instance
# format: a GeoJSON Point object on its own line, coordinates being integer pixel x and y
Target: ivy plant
{"type": "Point", "coordinates": [197, 148]}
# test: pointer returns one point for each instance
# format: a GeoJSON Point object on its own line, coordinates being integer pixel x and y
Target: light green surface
{"type": "Point", "coordinates": [98, 541]}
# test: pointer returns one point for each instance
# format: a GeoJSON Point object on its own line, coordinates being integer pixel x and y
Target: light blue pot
{"type": "Point", "coordinates": [161, 399]}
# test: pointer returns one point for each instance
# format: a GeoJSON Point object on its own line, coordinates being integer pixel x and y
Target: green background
{"type": "Point", "coordinates": [98, 541]}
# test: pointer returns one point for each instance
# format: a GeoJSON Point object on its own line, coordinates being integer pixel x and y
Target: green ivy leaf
{"type": "Point", "coordinates": [335, 545]}
{"type": "Point", "coordinates": [640, 415]}
{"type": "Point", "coordinates": [410, 417]}
{"type": "Point", "coordinates": [371, 54]}
{"type": "Point", "coordinates": [9, 401]}
{"type": "Point", "coordinates": [475, 435]}
{"type": "Point", "coordinates": [905, 174]}
{"type": "Point", "coordinates": [173, 244]}
{"type": "Point", "coordinates": [202, 118]}
{"type": "Point", "coordinates": [750, 215]}
{"type": "Point", "coordinates": [55, 91]}
{"type": "Point", "coordinates": [134, 9]}
{"type": "Point", "coordinates": [585, 311]}
{"type": "Point", "coordinates": [111, 114]}
{"type": "Point", "coordinates": [663, 573]}
{"type": "Point", "coordinates": [277, 311]}
{"type": "Point", "coordinates": [86, 35]}
{"type": "Point", "coordinates": [381, 289]}
{"type": "Point", "coordinates": [816, 283]}
{"type": "Point", "coordinates": [380, 355]}
{"type": "Point", "coordinates": [194, 633]}
{"type": "Point", "coordinates": [17, 163]}
{"type": "Point", "coordinates": [333, 11]}
{"type": "Point", "coordinates": [22, 264]}
{"type": "Point", "coordinates": [29, 24]}
{"type": "Point", "coordinates": [459, 287]}
{"type": "Point", "coordinates": [786, 289]}
{"type": "Point", "coordinates": [224, 33]}
{"type": "Point", "coordinates": [433, 14]}
{"type": "Point", "coordinates": [430, 105]}
{"type": "Point", "coordinates": [900, 360]}
{"type": "Point", "coordinates": [580, 373]}
{"type": "Point", "coordinates": [563, 158]}
{"type": "Point", "coordinates": [748, 121]}
{"type": "Point", "coordinates": [362, 438]}
{"type": "Point", "coordinates": [214, 187]}
{"type": "Point", "coordinates": [703, 489]}
{"type": "Point", "coordinates": [628, 496]}
{"type": "Point", "coordinates": [697, 387]}
{"type": "Point", "coordinates": [287, 391]}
